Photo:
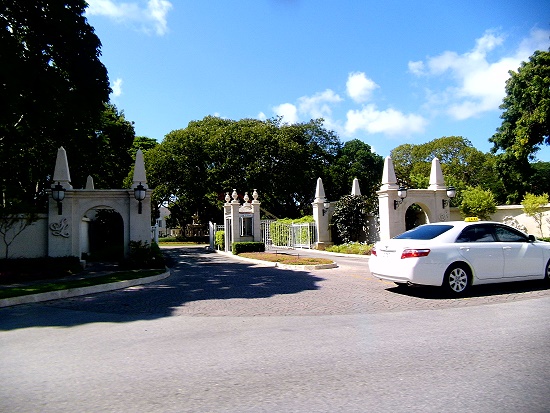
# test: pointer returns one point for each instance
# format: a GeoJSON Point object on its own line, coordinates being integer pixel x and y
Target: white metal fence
{"type": "Point", "coordinates": [278, 235]}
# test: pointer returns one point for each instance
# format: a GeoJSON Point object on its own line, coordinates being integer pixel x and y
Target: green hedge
{"type": "Point", "coordinates": [240, 247]}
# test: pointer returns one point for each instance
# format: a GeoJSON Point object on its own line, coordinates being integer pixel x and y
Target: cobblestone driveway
{"type": "Point", "coordinates": [209, 284]}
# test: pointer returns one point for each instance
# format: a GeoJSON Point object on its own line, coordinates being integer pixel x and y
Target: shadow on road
{"type": "Point", "coordinates": [438, 293]}
{"type": "Point", "coordinates": [195, 275]}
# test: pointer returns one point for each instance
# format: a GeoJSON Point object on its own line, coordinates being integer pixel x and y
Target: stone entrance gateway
{"type": "Point", "coordinates": [393, 203]}
{"type": "Point", "coordinates": [69, 224]}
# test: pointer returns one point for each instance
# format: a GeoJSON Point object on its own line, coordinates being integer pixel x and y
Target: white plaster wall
{"type": "Point", "coordinates": [515, 211]}
{"type": "Point", "coordinates": [31, 243]}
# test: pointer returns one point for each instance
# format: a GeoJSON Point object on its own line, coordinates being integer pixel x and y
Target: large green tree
{"type": "Point", "coordinates": [525, 123]}
{"type": "Point", "coordinates": [54, 91]}
{"type": "Point", "coordinates": [193, 168]}
{"type": "Point", "coordinates": [355, 159]}
{"type": "Point", "coordinates": [462, 165]}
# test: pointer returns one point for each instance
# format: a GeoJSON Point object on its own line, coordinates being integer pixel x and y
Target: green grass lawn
{"type": "Point", "coordinates": [47, 286]}
{"type": "Point", "coordinates": [286, 258]}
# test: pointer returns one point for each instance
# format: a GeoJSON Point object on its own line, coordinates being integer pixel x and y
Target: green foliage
{"type": "Point", "coordinates": [144, 255]}
{"type": "Point", "coordinates": [532, 206]}
{"type": "Point", "coordinates": [279, 230]}
{"type": "Point", "coordinates": [357, 248]}
{"type": "Point", "coordinates": [240, 247]}
{"type": "Point", "coordinates": [142, 142]}
{"type": "Point", "coordinates": [55, 92]}
{"type": "Point", "coordinates": [461, 164]}
{"type": "Point", "coordinates": [525, 122]}
{"type": "Point", "coordinates": [350, 217]}
{"type": "Point", "coordinates": [354, 160]}
{"type": "Point", "coordinates": [220, 239]}
{"type": "Point", "coordinates": [477, 202]}
{"type": "Point", "coordinates": [193, 168]}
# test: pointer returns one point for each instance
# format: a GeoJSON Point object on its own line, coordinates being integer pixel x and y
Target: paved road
{"type": "Point", "coordinates": [221, 335]}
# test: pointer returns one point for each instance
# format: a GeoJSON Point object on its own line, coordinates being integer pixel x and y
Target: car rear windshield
{"type": "Point", "coordinates": [425, 232]}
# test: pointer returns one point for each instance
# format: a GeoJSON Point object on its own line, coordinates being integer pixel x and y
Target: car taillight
{"type": "Point", "coordinates": [373, 251]}
{"type": "Point", "coordinates": [414, 253]}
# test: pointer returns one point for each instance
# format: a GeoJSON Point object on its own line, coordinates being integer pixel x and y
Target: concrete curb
{"type": "Point", "coordinates": [279, 265]}
{"type": "Point", "coordinates": [74, 292]}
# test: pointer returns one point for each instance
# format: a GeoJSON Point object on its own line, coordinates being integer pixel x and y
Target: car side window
{"type": "Point", "coordinates": [510, 235]}
{"type": "Point", "coordinates": [476, 233]}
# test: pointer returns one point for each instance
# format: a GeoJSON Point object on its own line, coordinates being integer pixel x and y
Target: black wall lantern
{"type": "Point", "coordinates": [451, 193]}
{"type": "Point", "coordinates": [401, 193]}
{"type": "Point", "coordinates": [58, 195]}
{"type": "Point", "coordinates": [139, 194]}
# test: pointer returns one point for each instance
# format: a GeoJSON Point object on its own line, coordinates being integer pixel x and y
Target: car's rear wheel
{"type": "Point", "coordinates": [457, 279]}
{"type": "Point", "coordinates": [547, 272]}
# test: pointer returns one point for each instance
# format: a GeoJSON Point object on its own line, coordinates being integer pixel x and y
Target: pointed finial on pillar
{"type": "Point", "coordinates": [320, 191]}
{"type": "Point", "coordinates": [389, 181]}
{"type": "Point", "coordinates": [139, 171]}
{"type": "Point", "coordinates": [436, 176]}
{"type": "Point", "coordinates": [355, 190]}
{"type": "Point", "coordinates": [90, 182]}
{"type": "Point", "coordinates": [61, 174]}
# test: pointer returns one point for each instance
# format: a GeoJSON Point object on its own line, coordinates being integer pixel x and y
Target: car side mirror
{"type": "Point", "coordinates": [532, 238]}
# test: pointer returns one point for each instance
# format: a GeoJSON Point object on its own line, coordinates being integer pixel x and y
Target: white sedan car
{"type": "Point", "coordinates": [459, 254]}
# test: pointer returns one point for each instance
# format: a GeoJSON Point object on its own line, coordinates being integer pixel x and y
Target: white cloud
{"type": "Point", "coordinates": [288, 111]}
{"type": "Point", "coordinates": [359, 87]}
{"type": "Point", "coordinates": [389, 122]}
{"type": "Point", "coordinates": [261, 116]}
{"type": "Point", "coordinates": [478, 84]}
{"type": "Point", "coordinates": [318, 105]}
{"type": "Point", "coordinates": [150, 15]}
{"type": "Point", "coordinates": [117, 87]}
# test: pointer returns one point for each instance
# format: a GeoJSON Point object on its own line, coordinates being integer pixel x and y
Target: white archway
{"type": "Point", "coordinates": [392, 208]}
{"type": "Point", "coordinates": [66, 231]}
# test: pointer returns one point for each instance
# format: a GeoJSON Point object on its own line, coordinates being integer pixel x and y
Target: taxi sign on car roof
{"type": "Point", "coordinates": [471, 219]}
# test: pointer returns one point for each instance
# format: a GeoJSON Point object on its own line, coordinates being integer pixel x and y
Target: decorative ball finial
{"type": "Point", "coordinates": [235, 195]}
{"type": "Point", "coordinates": [255, 195]}
{"type": "Point", "coordinates": [246, 197]}
{"type": "Point", "coordinates": [227, 197]}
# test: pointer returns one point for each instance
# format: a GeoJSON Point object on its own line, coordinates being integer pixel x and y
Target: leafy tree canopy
{"type": "Point", "coordinates": [54, 91]}
{"type": "Point", "coordinates": [477, 202]}
{"type": "Point", "coordinates": [462, 164]}
{"type": "Point", "coordinates": [193, 168]}
{"type": "Point", "coordinates": [525, 122]}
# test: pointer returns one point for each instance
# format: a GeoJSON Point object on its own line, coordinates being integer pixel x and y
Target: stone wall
{"type": "Point", "coordinates": [31, 243]}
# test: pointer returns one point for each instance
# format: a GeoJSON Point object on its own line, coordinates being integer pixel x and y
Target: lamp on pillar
{"type": "Point", "coordinates": [139, 194]}
{"type": "Point", "coordinates": [451, 193]}
{"type": "Point", "coordinates": [326, 206]}
{"type": "Point", "coordinates": [401, 193]}
{"type": "Point", "coordinates": [58, 194]}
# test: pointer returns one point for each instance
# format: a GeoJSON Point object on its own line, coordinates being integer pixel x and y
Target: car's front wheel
{"type": "Point", "coordinates": [457, 279]}
{"type": "Point", "coordinates": [547, 272]}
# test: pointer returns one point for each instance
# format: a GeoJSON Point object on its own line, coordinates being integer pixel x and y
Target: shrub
{"type": "Point", "coordinates": [350, 217]}
{"type": "Point", "coordinates": [144, 255]}
{"type": "Point", "coordinates": [220, 239]}
{"type": "Point", "coordinates": [532, 206]}
{"type": "Point", "coordinates": [240, 247]}
{"type": "Point", "coordinates": [351, 248]}
{"type": "Point", "coordinates": [477, 202]}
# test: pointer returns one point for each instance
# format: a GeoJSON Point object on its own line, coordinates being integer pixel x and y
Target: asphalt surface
{"type": "Point", "coordinates": [225, 335]}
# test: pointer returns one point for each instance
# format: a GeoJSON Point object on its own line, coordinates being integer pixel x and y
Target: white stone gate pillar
{"type": "Point", "coordinates": [321, 217]}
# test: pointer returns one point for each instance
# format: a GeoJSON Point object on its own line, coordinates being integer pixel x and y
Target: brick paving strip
{"type": "Point", "coordinates": [205, 284]}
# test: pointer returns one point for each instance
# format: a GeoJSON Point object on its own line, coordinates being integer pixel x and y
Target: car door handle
{"type": "Point", "coordinates": [506, 248]}
{"type": "Point", "coordinates": [465, 248]}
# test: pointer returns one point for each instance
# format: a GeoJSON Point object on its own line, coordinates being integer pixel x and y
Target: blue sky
{"type": "Point", "coordinates": [386, 73]}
